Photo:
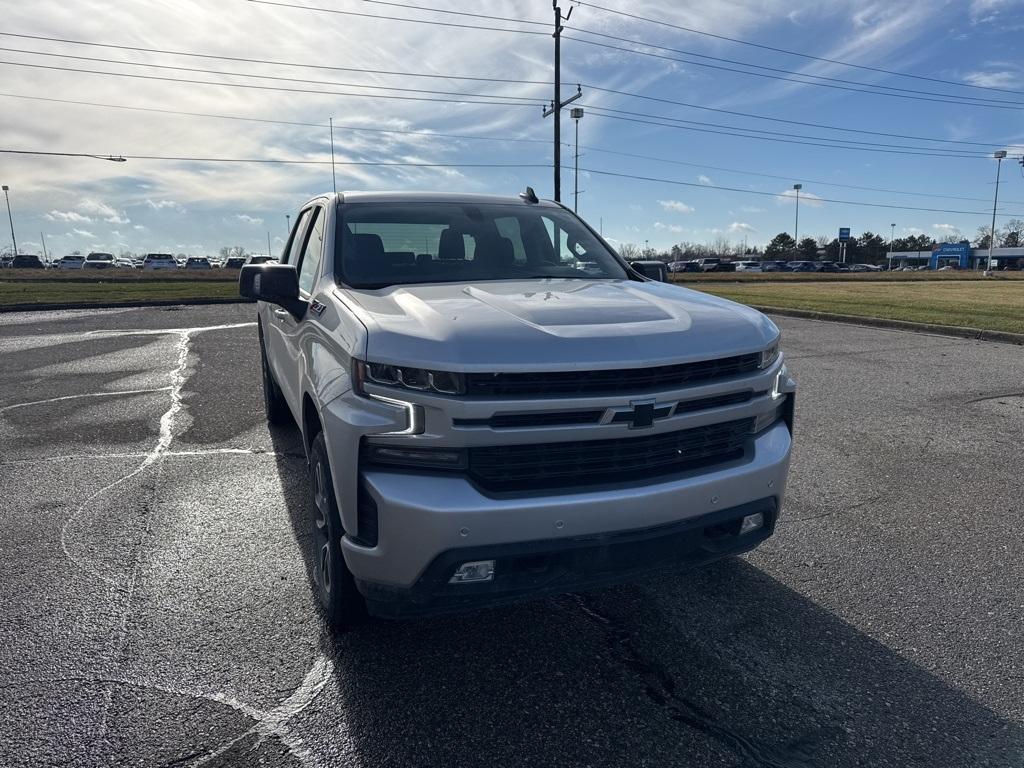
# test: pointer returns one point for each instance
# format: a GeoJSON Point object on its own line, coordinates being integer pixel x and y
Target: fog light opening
{"type": "Point", "coordinates": [752, 523]}
{"type": "Point", "coordinates": [476, 571]}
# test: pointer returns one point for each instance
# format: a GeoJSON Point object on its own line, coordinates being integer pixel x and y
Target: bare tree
{"type": "Point", "coordinates": [628, 251]}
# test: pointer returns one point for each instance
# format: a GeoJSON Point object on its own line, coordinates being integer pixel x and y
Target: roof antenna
{"type": "Point", "coordinates": [529, 195]}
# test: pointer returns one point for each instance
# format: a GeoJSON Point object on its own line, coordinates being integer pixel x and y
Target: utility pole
{"type": "Point", "coordinates": [10, 218]}
{"type": "Point", "coordinates": [334, 178]}
{"type": "Point", "coordinates": [268, 244]}
{"type": "Point", "coordinates": [46, 256]}
{"type": "Point", "coordinates": [288, 226]}
{"type": "Point", "coordinates": [576, 113]}
{"type": "Point", "coordinates": [557, 104]}
{"type": "Point", "coordinates": [796, 224]}
{"type": "Point", "coordinates": [995, 202]}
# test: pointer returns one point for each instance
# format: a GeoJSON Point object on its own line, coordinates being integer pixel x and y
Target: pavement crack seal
{"type": "Point", "coordinates": [660, 688]}
{"type": "Point", "coordinates": [113, 393]}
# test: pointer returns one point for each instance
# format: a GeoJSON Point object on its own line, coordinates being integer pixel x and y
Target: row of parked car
{"type": "Point", "coordinates": [150, 261]}
{"type": "Point", "coordinates": [722, 265]}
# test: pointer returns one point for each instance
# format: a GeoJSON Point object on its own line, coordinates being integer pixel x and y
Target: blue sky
{"type": "Point", "coordinates": [196, 207]}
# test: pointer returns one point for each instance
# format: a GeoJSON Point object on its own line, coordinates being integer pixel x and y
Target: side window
{"type": "Point", "coordinates": [508, 227]}
{"type": "Point", "coordinates": [309, 262]}
{"type": "Point", "coordinates": [295, 244]}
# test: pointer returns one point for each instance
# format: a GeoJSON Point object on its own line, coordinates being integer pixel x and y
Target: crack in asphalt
{"type": "Point", "coordinates": [660, 688]}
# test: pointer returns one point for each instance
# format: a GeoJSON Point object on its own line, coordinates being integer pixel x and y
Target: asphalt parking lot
{"type": "Point", "coordinates": [155, 608]}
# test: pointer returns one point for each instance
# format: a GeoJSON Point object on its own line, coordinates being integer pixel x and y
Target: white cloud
{"type": "Point", "coordinates": [949, 229]}
{"type": "Point", "coordinates": [669, 227]}
{"type": "Point", "coordinates": [159, 205]}
{"type": "Point", "coordinates": [806, 198]}
{"type": "Point", "coordinates": [984, 11]}
{"type": "Point", "coordinates": [246, 219]}
{"type": "Point", "coordinates": [103, 211]}
{"type": "Point", "coordinates": [994, 79]}
{"type": "Point", "coordinates": [751, 209]}
{"type": "Point", "coordinates": [741, 226]}
{"type": "Point", "coordinates": [139, 227]}
{"type": "Point", "coordinates": [704, 179]}
{"type": "Point", "coordinates": [72, 216]}
{"type": "Point", "coordinates": [84, 233]}
{"type": "Point", "coordinates": [676, 205]}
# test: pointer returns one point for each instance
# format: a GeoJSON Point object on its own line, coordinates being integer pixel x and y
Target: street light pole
{"type": "Point", "coordinates": [995, 202]}
{"type": "Point", "coordinates": [10, 218]}
{"type": "Point", "coordinates": [334, 178]}
{"type": "Point", "coordinates": [576, 113]}
{"type": "Point", "coordinates": [796, 224]}
{"type": "Point", "coordinates": [892, 236]}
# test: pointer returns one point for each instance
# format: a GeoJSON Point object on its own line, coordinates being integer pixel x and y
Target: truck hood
{"type": "Point", "coordinates": [552, 324]}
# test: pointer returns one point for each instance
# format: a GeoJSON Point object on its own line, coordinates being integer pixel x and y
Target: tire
{"type": "Point", "coordinates": [333, 583]}
{"type": "Point", "coordinates": [273, 400]}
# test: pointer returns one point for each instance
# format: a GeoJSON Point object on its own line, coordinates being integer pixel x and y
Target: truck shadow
{"type": "Point", "coordinates": [722, 666]}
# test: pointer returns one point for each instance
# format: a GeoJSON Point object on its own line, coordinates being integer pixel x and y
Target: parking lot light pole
{"type": "Point", "coordinates": [892, 236]}
{"type": "Point", "coordinates": [576, 113]}
{"type": "Point", "coordinates": [10, 218]}
{"type": "Point", "coordinates": [995, 202]}
{"type": "Point", "coordinates": [796, 224]}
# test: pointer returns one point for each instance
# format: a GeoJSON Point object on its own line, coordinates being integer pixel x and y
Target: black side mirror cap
{"type": "Point", "coordinates": [274, 284]}
{"type": "Point", "coordinates": [652, 270]}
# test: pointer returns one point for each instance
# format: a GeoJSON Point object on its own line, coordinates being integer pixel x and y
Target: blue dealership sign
{"type": "Point", "coordinates": [948, 251]}
{"type": "Point", "coordinates": [844, 234]}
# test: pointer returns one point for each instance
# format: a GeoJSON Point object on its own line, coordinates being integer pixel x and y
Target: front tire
{"type": "Point", "coordinates": [333, 583]}
{"type": "Point", "coordinates": [273, 399]}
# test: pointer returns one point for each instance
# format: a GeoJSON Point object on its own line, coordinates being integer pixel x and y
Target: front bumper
{"type": "Point", "coordinates": [422, 516]}
{"type": "Point", "coordinates": [536, 568]}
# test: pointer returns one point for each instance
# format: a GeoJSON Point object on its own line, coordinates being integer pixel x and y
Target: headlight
{"type": "Point", "coordinates": [405, 377]}
{"type": "Point", "coordinates": [769, 355]}
{"type": "Point", "coordinates": [414, 458]}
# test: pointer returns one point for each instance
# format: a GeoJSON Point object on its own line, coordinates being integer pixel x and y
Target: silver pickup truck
{"type": "Point", "coordinates": [495, 406]}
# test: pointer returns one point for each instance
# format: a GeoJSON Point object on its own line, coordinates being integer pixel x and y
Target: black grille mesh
{"type": "Point", "coordinates": [515, 467]}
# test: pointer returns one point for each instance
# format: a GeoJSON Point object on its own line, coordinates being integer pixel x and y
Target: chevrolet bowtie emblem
{"type": "Point", "coordinates": [640, 414]}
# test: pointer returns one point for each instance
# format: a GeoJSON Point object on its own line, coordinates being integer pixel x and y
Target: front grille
{"type": "Point", "coordinates": [515, 467]}
{"type": "Point", "coordinates": [631, 380]}
{"type": "Point", "coordinates": [519, 420]}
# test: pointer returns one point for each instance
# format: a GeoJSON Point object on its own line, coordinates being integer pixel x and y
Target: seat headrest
{"type": "Point", "coordinates": [368, 248]}
{"type": "Point", "coordinates": [451, 246]}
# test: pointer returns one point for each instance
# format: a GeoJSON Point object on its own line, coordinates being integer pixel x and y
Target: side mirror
{"type": "Point", "coordinates": [274, 284]}
{"type": "Point", "coordinates": [652, 270]}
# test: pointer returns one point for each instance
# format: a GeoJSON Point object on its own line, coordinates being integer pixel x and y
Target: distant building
{"type": "Point", "coordinates": [960, 255]}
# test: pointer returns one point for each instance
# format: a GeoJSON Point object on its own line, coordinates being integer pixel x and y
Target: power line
{"type": "Point", "coordinates": [273, 62]}
{"type": "Point", "coordinates": [280, 161]}
{"type": "Point", "coordinates": [285, 161]}
{"type": "Point", "coordinates": [508, 139]}
{"type": "Point", "coordinates": [839, 142]}
{"type": "Point", "coordinates": [795, 53]}
{"type": "Point", "coordinates": [790, 178]}
{"type": "Point", "coordinates": [338, 126]}
{"type": "Point", "coordinates": [970, 99]}
{"type": "Point", "coordinates": [784, 120]}
{"type": "Point", "coordinates": [457, 13]}
{"type": "Point", "coordinates": [201, 70]}
{"type": "Point", "coordinates": [302, 65]}
{"type": "Point", "coordinates": [318, 92]}
{"type": "Point", "coordinates": [431, 22]}
{"type": "Point", "coordinates": [776, 195]}
{"type": "Point", "coordinates": [1010, 105]}
{"type": "Point", "coordinates": [599, 112]}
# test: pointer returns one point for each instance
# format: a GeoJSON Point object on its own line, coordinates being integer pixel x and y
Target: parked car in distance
{"type": "Point", "coordinates": [234, 262]}
{"type": "Point", "coordinates": [159, 261]}
{"type": "Point", "coordinates": [98, 260]}
{"type": "Point", "coordinates": [260, 259]}
{"type": "Point", "coordinates": [708, 265]}
{"type": "Point", "coordinates": [827, 266]}
{"type": "Point", "coordinates": [772, 266]}
{"type": "Point", "coordinates": [439, 403]}
{"type": "Point", "coordinates": [27, 261]}
{"type": "Point", "coordinates": [197, 262]}
{"type": "Point", "coordinates": [123, 262]}
{"type": "Point", "coordinates": [803, 266]}
{"type": "Point", "coordinates": [748, 266]}
{"type": "Point", "coordinates": [71, 261]}
{"type": "Point", "coordinates": [677, 266]}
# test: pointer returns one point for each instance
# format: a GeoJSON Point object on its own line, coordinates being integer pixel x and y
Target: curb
{"type": "Point", "coordinates": [121, 304]}
{"type": "Point", "coordinates": [978, 334]}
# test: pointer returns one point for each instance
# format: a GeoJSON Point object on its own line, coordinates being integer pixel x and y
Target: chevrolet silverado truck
{"type": "Point", "coordinates": [484, 420]}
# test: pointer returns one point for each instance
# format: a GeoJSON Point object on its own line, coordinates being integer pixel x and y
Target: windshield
{"type": "Point", "coordinates": [100, 257]}
{"type": "Point", "coordinates": [383, 244]}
